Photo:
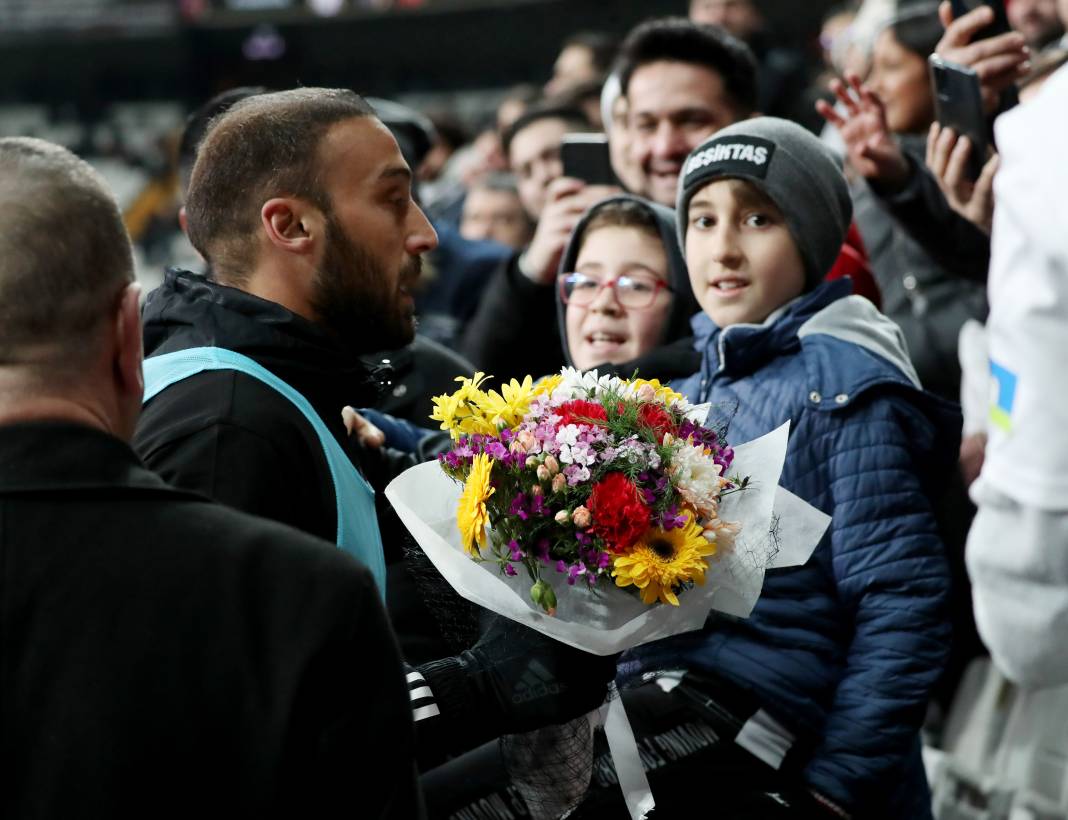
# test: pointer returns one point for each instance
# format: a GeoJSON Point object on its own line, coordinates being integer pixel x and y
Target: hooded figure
{"type": "Point", "coordinates": [624, 300]}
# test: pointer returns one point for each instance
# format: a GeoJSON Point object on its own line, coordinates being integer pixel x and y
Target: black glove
{"type": "Point", "coordinates": [516, 680]}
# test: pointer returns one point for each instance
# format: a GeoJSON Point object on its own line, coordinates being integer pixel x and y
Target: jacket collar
{"type": "Point", "coordinates": [62, 455]}
{"type": "Point", "coordinates": [741, 349]}
{"type": "Point", "coordinates": [189, 310]}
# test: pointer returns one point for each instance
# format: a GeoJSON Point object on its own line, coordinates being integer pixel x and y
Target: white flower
{"type": "Point", "coordinates": [697, 477]}
{"type": "Point", "coordinates": [567, 435]}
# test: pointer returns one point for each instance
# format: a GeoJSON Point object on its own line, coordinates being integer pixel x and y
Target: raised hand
{"type": "Point", "coordinates": [999, 61]}
{"type": "Point", "coordinates": [870, 147]}
{"type": "Point", "coordinates": [947, 157]}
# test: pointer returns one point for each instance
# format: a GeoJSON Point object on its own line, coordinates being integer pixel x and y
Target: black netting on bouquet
{"type": "Point", "coordinates": [455, 618]}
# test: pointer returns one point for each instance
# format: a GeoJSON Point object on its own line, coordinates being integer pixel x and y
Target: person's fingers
{"type": "Point", "coordinates": [957, 165]}
{"type": "Point", "coordinates": [368, 434]}
{"type": "Point", "coordinates": [826, 110]}
{"type": "Point", "coordinates": [940, 151]}
{"type": "Point", "coordinates": [932, 138]}
{"type": "Point", "coordinates": [984, 186]}
{"type": "Point", "coordinates": [1006, 47]}
{"type": "Point", "coordinates": [564, 187]}
{"type": "Point", "coordinates": [845, 98]}
{"type": "Point", "coordinates": [945, 13]}
{"type": "Point", "coordinates": [1001, 68]}
{"type": "Point", "coordinates": [351, 419]}
{"type": "Point", "coordinates": [962, 30]}
{"type": "Point", "coordinates": [868, 97]}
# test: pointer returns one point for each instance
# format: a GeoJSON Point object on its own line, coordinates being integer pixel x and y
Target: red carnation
{"type": "Point", "coordinates": [580, 412]}
{"type": "Point", "coordinates": [620, 517]}
{"type": "Point", "coordinates": [657, 419]}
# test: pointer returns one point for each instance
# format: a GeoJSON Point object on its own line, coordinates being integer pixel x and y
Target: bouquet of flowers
{"type": "Point", "coordinates": [596, 479]}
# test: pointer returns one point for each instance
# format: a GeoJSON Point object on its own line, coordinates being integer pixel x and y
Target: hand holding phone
{"type": "Point", "coordinates": [585, 157]}
{"type": "Point", "coordinates": [1001, 19]}
{"type": "Point", "coordinates": [958, 102]}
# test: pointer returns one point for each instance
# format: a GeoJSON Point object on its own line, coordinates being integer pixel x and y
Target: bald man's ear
{"type": "Point", "coordinates": [183, 221]}
{"type": "Point", "coordinates": [129, 346]}
{"type": "Point", "coordinates": [293, 225]}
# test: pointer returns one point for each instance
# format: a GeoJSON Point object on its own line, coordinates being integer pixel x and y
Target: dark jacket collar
{"type": "Point", "coordinates": [742, 349]}
{"type": "Point", "coordinates": [62, 455]}
{"type": "Point", "coordinates": [188, 310]}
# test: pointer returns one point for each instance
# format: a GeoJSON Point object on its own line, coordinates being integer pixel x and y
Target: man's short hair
{"type": "Point", "coordinates": [574, 118]}
{"type": "Point", "coordinates": [65, 256]}
{"type": "Point", "coordinates": [196, 126]}
{"type": "Point", "coordinates": [676, 39]}
{"type": "Point", "coordinates": [264, 146]}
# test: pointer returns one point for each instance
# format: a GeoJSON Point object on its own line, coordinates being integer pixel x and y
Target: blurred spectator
{"type": "Point", "coordinates": [532, 147]}
{"type": "Point", "coordinates": [614, 120]}
{"type": "Point", "coordinates": [585, 57]}
{"type": "Point", "coordinates": [517, 100]}
{"type": "Point", "coordinates": [1044, 65]}
{"type": "Point", "coordinates": [927, 300]}
{"type": "Point", "coordinates": [1036, 20]}
{"type": "Point", "coordinates": [492, 210]}
{"type": "Point", "coordinates": [783, 75]}
{"type": "Point", "coordinates": [585, 96]}
{"type": "Point", "coordinates": [494, 339]}
{"type": "Point", "coordinates": [682, 83]}
{"type": "Point", "coordinates": [449, 137]}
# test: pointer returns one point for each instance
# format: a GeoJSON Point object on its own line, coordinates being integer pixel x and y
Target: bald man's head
{"type": "Point", "coordinates": [65, 257]}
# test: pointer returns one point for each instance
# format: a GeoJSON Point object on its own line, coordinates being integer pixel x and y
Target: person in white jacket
{"type": "Point", "coordinates": [1017, 550]}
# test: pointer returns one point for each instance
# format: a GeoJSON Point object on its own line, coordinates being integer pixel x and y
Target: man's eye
{"type": "Point", "coordinates": [703, 222]}
{"type": "Point", "coordinates": [645, 126]}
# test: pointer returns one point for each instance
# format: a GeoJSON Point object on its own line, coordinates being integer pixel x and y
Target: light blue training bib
{"type": "Point", "coordinates": [357, 522]}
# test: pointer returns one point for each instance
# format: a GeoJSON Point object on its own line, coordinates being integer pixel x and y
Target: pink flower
{"type": "Point", "coordinates": [581, 517]}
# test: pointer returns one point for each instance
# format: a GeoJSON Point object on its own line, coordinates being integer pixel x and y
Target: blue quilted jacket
{"type": "Point", "coordinates": [845, 649]}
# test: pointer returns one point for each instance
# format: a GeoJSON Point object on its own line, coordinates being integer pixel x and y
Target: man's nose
{"type": "Point", "coordinates": [669, 142]}
{"type": "Point", "coordinates": [422, 237]}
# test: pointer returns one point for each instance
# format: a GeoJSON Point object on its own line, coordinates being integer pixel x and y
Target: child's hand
{"type": "Point", "coordinates": [871, 148]}
{"type": "Point", "coordinates": [999, 61]}
{"type": "Point", "coordinates": [947, 157]}
{"type": "Point", "coordinates": [366, 433]}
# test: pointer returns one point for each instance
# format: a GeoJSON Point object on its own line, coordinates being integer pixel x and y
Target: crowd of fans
{"type": "Point", "coordinates": [782, 239]}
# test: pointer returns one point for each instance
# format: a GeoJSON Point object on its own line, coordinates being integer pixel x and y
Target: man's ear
{"type": "Point", "coordinates": [183, 221]}
{"type": "Point", "coordinates": [129, 346]}
{"type": "Point", "coordinates": [293, 225]}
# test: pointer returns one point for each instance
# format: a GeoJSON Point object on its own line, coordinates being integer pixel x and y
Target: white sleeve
{"type": "Point", "coordinates": [1018, 563]}
{"type": "Point", "coordinates": [1017, 550]}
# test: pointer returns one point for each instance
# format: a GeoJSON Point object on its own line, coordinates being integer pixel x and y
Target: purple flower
{"type": "Point", "coordinates": [561, 566]}
{"type": "Point", "coordinates": [537, 505]}
{"type": "Point", "coordinates": [496, 450]}
{"type": "Point", "coordinates": [510, 570]}
{"type": "Point", "coordinates": [520, 507]}
{"type": "Point", "coordinates": [515, 551]}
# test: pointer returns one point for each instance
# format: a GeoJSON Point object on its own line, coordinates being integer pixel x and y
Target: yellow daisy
{"type": "Point", "coordinates": [471, 514]}
{"type": "Point", "coordinates": [547, 385]}
{"type": "Point", "coordinates": [664, 394]}
{"type": "Point", "coordinates": [509, 409]}
{"type": "Point", "coordinates": [662, 560]}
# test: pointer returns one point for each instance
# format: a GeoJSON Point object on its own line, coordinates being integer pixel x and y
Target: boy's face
{"type": "Point", "coordinates": [742, 259]}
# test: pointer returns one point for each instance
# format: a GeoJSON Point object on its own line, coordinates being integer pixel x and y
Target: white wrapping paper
{"type": "Point", "coordinates": [778, 530]}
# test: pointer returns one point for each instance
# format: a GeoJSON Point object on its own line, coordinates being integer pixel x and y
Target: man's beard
{"type": "Point", "coordinates": [355, 301]}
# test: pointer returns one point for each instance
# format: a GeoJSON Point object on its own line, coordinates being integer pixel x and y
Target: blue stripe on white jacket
{"type": "Point", "coordinates": [846, 648]}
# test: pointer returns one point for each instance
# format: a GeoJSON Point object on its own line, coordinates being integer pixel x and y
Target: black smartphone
{"type": "Point", "coordinates": [585, 157]}
{"type": "Point", "coordinates": [1001, 19]}
{"type": "Point", "coordinates": [959, 105]}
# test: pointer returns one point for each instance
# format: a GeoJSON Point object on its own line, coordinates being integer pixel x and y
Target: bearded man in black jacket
{"type": "Point", "coordinates": [161, 655]}
{"type": "Point", "coordinates": [301, 203]}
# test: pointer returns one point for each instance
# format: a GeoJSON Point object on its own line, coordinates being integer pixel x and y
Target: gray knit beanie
{"type": "Point", "coordinates": [793, 168]}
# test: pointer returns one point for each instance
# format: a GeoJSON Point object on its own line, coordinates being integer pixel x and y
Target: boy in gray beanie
{"type": "Point", "coordinates": [790, 167]}
{"type": "Point", "coordinates": [818, 696]}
